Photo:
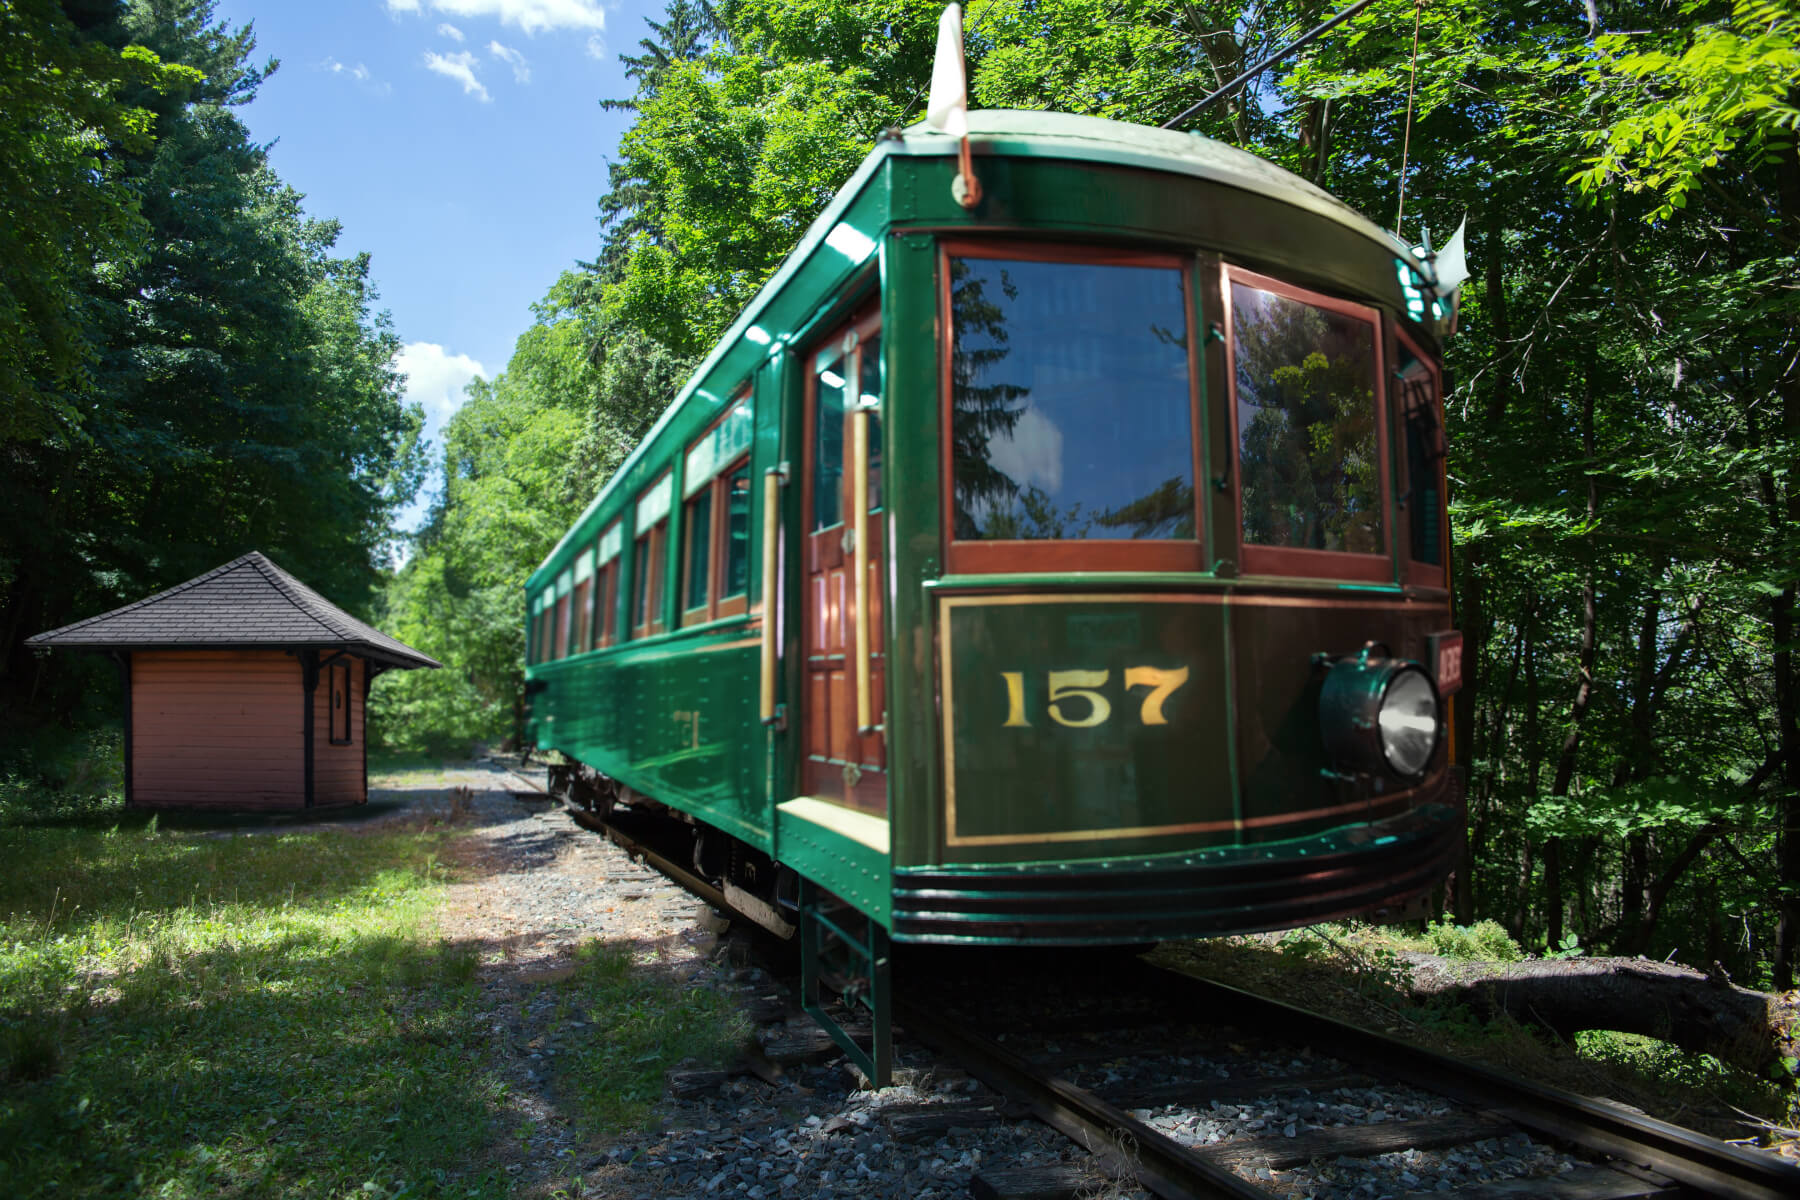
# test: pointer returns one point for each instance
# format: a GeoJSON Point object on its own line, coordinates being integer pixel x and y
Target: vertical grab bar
{"type": "Point", "coordinates": [859, 508]}
{"type": "Point", "coordinates": [771, 586]}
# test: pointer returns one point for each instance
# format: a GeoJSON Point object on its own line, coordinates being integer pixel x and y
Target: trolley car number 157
{"type": "Point", "coordinates": [1074, 699]}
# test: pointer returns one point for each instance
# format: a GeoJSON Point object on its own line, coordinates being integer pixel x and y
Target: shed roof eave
{"type": "Point", "coordinates": [363, 649]}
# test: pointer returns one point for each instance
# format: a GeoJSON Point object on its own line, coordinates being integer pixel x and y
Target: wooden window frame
{"type": "Point", "coordinates": [1293, 560]}
{"type": "Point", "coordinates": [865, 320]}
{"type": "Point", "coordinates": [1086, 554]}
{"type": "Point", "coordinates": [581, 611]}
{"type": "Point", "coordinates": [716, 607]}
{"type": "Point", "coordinates": [331, 693]}
{"type": "Point", "coordinates": [1416, 573]}
{"type": "Point", "coordinates": [563, 624]}
{"type": "Point", "coordinates": [648, 582]}
{"type": "Point", "coordinates": [606, 592]}
{"type": "Point", "coordinates": [702, 612]}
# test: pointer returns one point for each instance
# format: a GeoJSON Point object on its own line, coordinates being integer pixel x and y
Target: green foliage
{"type": "Point", "coordinates": [1484, 941]}
{"type": "Point", "coordinates": [225, 382]}
{"type": "Point", "coordinates": [191, 1015]}
{"type": "Point", "coordinates": [1688, 100]}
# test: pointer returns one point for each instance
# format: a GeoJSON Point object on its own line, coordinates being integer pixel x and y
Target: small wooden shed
{"type": "Point", "coordinates": [245, 689]}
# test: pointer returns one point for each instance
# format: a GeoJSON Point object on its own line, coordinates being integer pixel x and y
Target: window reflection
{"type": "Point", "coordinates": [1071, 415]}
{"type": "Point", "coordinates": [828, 446]}
{"type": "Point", "coordinates": [699, 535]}
{"type": "Point", "coordinates": [1309, 463]}
{"type": "Point", "coordinates": [870, 384]}
{"type": "Point", "coordinates": [737, 532]}
{"type": "Point", "coordinates": [1424, 451]}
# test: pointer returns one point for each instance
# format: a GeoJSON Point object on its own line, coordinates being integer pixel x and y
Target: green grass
{"type": "Point", "coordinates": [191, 1015]}
{"type": "Point", "coordinates": [639, 1024]}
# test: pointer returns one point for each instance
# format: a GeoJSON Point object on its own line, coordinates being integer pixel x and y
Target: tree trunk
{"type": "Point", "coordinates": [1692, 1009]}
{"type": "Point", "coordinates": [1787, 684]}
{"type": "Point", "coordinates": [1584, 688]}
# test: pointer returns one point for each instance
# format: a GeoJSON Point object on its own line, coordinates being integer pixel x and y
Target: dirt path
{"type": "Point", "coordinates": [529, 887]}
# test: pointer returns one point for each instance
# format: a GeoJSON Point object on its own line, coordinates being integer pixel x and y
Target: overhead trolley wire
{"type": "Point", "coordinates": [1300, 43]}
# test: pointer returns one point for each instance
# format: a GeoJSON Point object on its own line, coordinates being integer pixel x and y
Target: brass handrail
{"type": "Point", "coordinates": [859, 508]}
{"type": "Point", "coordinates": [771, 586]}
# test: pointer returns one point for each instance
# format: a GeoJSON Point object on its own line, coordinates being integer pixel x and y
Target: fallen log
{"type": "Point", "coordinates": [1694, 1010]}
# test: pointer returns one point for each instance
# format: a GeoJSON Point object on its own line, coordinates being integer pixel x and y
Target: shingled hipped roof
{"type": "Point", "coordinates": [247, 602]}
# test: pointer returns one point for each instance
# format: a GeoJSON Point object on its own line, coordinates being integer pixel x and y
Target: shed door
{"type": "Point", "coordinates": [841, 763]}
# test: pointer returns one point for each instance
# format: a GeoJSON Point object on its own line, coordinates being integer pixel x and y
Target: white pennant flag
{"type": "Point", "coordinates": [948, 108]}
{"type": "Point", "coordinates": [1452, 263]}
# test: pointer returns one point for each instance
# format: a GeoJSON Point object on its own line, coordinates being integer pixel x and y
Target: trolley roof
{"type": "Point", "coordinates": [1018, 133]}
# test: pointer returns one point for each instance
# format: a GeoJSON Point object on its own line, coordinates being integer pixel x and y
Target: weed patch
{"type": "Point", "coordinates": [638, 1025]}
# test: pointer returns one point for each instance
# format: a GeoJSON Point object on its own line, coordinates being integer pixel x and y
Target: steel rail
{"type": "Point", "coordinates": [1125, 1146]}
{"type": "Point", "coordinates": [637, 849]}
{"type": "Point", "coordinates": [1714, 1167]}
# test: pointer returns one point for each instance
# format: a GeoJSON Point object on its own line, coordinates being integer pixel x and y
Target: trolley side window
{"type": "Point", "coordinates": [606, 587]}
{"type": "Point", "coordinates": [1310, 442]}
{"type": "Point", "coordinates": [1071, 406]}
{"type": "Point", "coordinates": [581, 604]}
{"type": "Point", "coordinates": [1418, 398]}
{"type": "Point", "coordinates": [647, 569]}
{"type": "Point", "coordinates": [715, 571]}
{"type": "Point", "coordinates": [564, 611]}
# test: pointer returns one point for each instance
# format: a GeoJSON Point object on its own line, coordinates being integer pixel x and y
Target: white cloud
{"type": "Point", "coordinates": [450, 31]}
{"type": "Point", "coordinates": [1032, 454]}
{"type": "Point", "coordinates": [435, 379]}
{"type": "Point", "coordinates": [359, 72]}
{"type": "Point", "coordinates": [596, 46]}
{"type": "Point", "coordinates": [531, 17]}
{"type": "Point", "coordinates": [520, 68]}
{"type": "Point", "coordinates": [460, 67]}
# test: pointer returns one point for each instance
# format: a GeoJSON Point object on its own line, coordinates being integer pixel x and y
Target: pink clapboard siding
{"type": "Point", "coordinates": [218, 728]}
{"type": "Point", "coordinates": [338, 775]}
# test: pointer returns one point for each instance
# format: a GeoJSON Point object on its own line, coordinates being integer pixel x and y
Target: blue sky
{"type": "Point", "coordinates": [460, 142]}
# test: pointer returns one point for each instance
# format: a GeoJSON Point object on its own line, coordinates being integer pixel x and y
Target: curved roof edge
{"type": "Point", "coordinates": [1028, 133]}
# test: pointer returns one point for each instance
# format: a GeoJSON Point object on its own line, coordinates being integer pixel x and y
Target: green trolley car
{"type": "Point", "coordinates": [1069, 568]}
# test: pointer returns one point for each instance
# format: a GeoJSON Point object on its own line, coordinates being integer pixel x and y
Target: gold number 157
{"type": "Point", "coordinates": [1075, 700]}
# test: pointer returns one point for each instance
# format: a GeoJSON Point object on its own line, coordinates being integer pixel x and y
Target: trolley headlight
{"type": "Point", "coordinates": [1379, 714]}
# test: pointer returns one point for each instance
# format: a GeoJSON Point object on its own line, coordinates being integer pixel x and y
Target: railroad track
{"type": "Point", "coordinates": [1155, 1119]}
{"type": "Point", "coordinates": [1069, 1064]}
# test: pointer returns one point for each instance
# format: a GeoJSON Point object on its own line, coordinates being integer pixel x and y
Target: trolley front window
{"type": "Point", "coordinates": [1311, 448]}
{"type": "Point", "coordinates": [1071, 406]}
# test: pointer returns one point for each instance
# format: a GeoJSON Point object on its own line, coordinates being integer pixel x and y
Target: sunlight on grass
{"type": "Point", "coordinates": [196, 1015]}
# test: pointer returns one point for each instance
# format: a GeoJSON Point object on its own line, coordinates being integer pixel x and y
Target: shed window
{"type": "Point", "coordinates": [1311, 447]}
{"type": "Point", "coordinates": [339, 674]}
{"type": "Point", "coordinates": [1071, 394]}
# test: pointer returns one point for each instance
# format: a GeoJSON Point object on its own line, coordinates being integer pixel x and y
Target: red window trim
{"type": "Point", "coordinates": [561, 645]}
{"type": "Point", "coordinates": [716, 608]}
{"type": "Point", "coordinates": [1089, 554]}
{"type": "Point", "coordinates": [606, 592]}
{"type": "Point", "coordinates": [864, 321]}
{"type": "Point", "coordinates": [1420, 574]}
{"type": "Point", "coordinates": [1291, 560]}
{"type": "Point", "coordinates": [651, 582]}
